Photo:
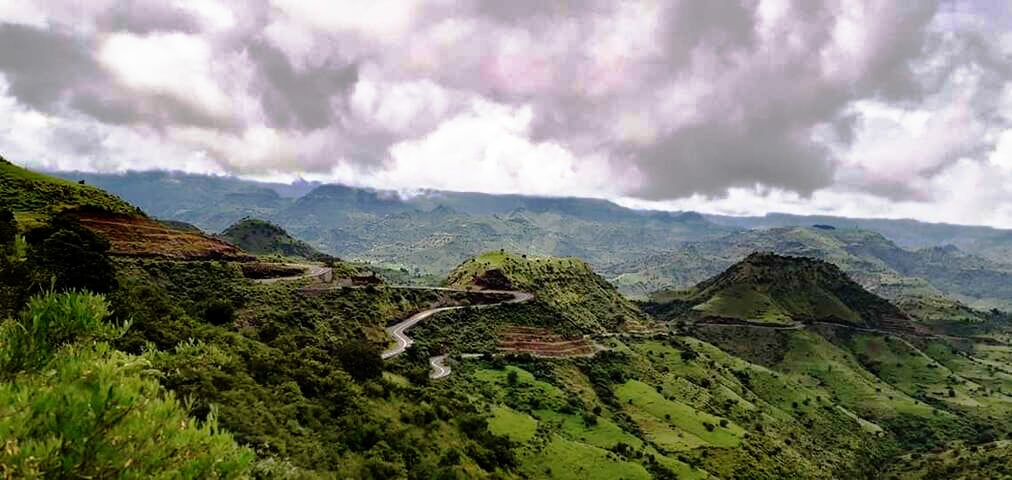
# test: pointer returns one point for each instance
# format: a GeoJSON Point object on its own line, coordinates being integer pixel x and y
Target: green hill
{"type": "Point", "coordinates": [867, 257]}
{"type": "Point", "coordinates": [567, 285]}
{"type": "Point", "coordinates": [34, 197]}
{"type": "Point", "coordinates": [770, 288]}
{"type": "Point", "coordinates": [264, 238]}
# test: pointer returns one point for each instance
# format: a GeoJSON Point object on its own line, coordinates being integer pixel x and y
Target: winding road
{"type": "Point", "coordinates": [399, 330]}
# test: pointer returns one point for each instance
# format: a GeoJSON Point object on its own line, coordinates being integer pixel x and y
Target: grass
{"type": "Point", "coordinates": [603, 434]}
{"type": "Point", "coordinates": [518, 427]}
{"type": "Point", "coordinates": [568, 460]}
{"type": "Point", "coordinates": [585, 301]}
{"type": "Point", "coordinates": [35, 197]}
{"type": "Point", "coordinates": [645, 403]}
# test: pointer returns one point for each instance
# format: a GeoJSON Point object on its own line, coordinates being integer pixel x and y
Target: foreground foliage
{"type": "Point", "coordinates": [71, 405]}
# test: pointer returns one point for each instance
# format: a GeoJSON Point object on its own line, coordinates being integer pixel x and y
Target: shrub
{"type": "Point", "coordinates": [95, 412]}
{"type": "Point", "coordinates": [218, 312]}
{"type": "Point", "coordinates": [74, 256]}
{"type": "Point", "coordinates": [50, 322]}
{"type": "Point", "coordinates": [360, 359]}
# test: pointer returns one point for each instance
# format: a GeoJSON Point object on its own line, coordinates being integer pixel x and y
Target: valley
{"type": "Point", "coordinates": [793, 353]}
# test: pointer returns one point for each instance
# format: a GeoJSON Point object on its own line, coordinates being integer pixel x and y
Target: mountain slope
{"type": "Point", "coordinates": [264, 238]}
{"type": "Point", "coordinates": [35, 199]}
{"type": "Point", "coordinates": [770, 288]}
{"type": "Point", "coordinates": [433, 231]}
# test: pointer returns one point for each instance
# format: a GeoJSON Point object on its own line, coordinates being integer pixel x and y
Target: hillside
{"type": "Point", "coordinates": [868, 257]}
{"type": "Point", "coordinates": [264, 238]}
{"type": "Point", "coordinates": [36, 199]}
{"type": "Point", "coordinates": [567, 285]}
{"type": "Point", "coordinates": [770, 288]}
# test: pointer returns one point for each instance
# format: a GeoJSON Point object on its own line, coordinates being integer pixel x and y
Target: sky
{"type": "Point", "coordinates": [866, 108]}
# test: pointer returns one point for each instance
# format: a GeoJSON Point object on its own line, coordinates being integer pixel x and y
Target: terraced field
{"type": "Point", "coordinates": [542, 342]}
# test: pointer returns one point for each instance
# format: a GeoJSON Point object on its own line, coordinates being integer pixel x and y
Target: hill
{"type": "Point", "coordinates": [264, 238]}
{"type": "Point", "coordinates": [770, 288]}
{"type": "Point", "coordinates": [868, 257]}
{"type": "Point", "coordinates": [567, 285]}
{"type": "Point", "coordinates": [35, 199]}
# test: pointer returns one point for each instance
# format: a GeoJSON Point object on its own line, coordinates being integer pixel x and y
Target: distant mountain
{"type": "Point", "coordinates": [776, 289]}
{"type": "Point", "coordinates": [992, 243]}
{"type": "Point", "coordinates": [868, 257]}
{"type": "Point", "coordinates": [431, 231]}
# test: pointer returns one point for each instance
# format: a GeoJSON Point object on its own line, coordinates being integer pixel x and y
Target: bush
{"type": "Point", "coordinates": [50, 322]}
{"type": "Point", "coordinates": [8, 228]}
{"type": "Point", "coordinates": [219, 312]}
{"type": "Point", "coordinates": [94, 412]}
{"type": "Point", "coordinates": [74, 256]}
{"type": "Point", "coordinates": [360, 359]}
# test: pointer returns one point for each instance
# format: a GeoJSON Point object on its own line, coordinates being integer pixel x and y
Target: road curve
{"type": "Point", "coordinates": [399, 330]}
{"type": "Point", "coordinates": [439, 367]}
{"type": "Point", "coordinates": [312, 271]}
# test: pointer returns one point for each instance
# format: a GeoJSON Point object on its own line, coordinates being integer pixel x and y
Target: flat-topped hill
{"type": "Point", "coordinates": [567, 285]}
{"type": "Point", "coordinates": [771, 288]}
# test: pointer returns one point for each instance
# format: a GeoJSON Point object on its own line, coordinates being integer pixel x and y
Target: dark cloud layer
{"type": "Point", "coordinates": [679, 98]}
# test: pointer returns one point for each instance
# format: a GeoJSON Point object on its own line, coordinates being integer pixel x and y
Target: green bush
{"type": "Point", "coordinates": [50, 322]}
{"type": "Point", "coordinates": [72, 406]}
{"type": "Point", "coordinates": [219, 312]}
{"type": "Point", "coordinates": [73, 255]}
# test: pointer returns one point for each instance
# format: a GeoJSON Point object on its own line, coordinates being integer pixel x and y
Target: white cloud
{"type": "Point", "coordinates": [174, 64]}
{"type": "Point", "coordinates": [384, 20]}
{"type": "Point", "coordinates": [487, 149]}
{"type": "Point", "coordinates": [404, 107]}
{"type": "Point", "coordinates": [24, 12]}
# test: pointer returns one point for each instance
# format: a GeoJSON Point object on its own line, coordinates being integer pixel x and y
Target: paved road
{"type": "Point", "coordinates": [399, 330]}
{"type": "Point", "coordinates": [312, 271]}
{"type": "Point", "coordinates": [439, 367]}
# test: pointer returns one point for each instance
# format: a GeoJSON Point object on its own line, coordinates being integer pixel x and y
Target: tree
{"type": "Point", "coordinates": [75, 256]}
{"type": "Point", "coordinates": [8, 228]}
{"type": "Point", "coordinates": [77, 408]}
{"type": "Point", "coordinates": [360, 359]}
{"type": "Point", "coordinates": [219, 312]}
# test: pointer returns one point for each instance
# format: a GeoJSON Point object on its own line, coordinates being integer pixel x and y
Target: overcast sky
{"type": "Point", "coordinates": [852, 107]}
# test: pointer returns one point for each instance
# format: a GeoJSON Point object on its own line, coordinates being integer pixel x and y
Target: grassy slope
{"type": "Point", "coordinates": [34, 197]}
{"type": "Point", "coordinates": [264, 238]}
{"type": "Point", "coordinates": [869, 258]}
{"type": "Point", "coordinates": [769, 288]}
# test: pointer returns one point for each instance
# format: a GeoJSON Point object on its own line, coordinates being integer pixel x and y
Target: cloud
{"type": "Point", "coordinates": [735, 105]}
{"type": "Point", "coordinates": [173, 64]}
